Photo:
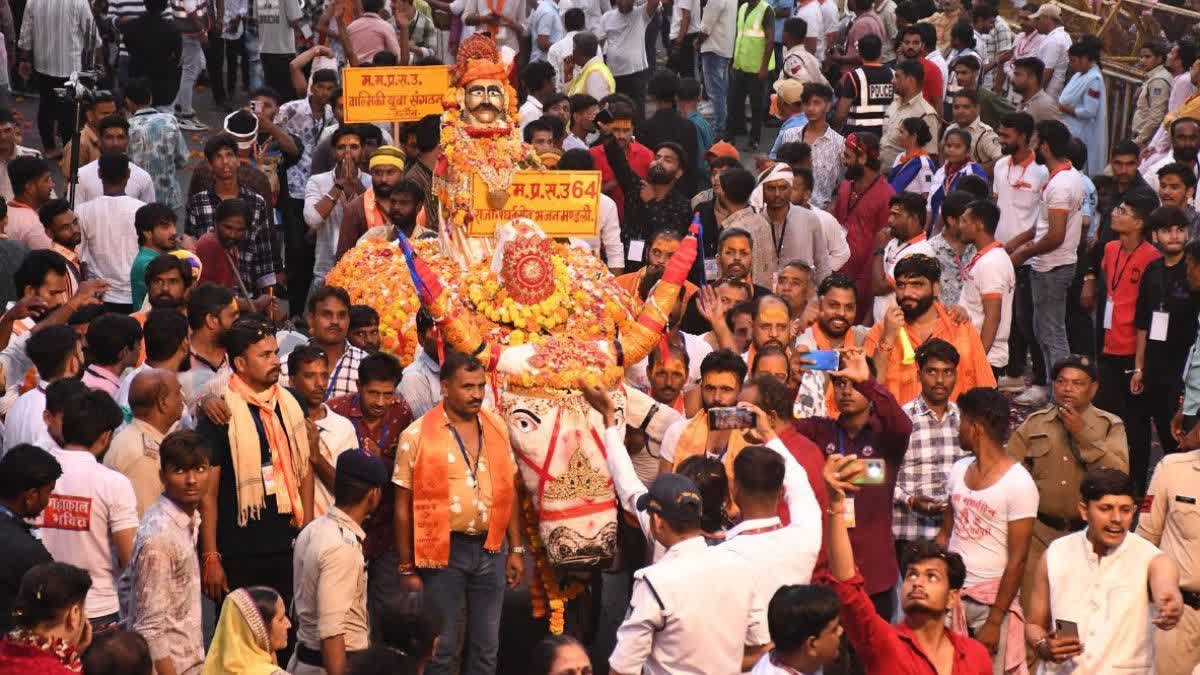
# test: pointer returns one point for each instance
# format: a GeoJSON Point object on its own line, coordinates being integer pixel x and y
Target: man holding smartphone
{"type": "Point", "coordinates": [1104, 590]}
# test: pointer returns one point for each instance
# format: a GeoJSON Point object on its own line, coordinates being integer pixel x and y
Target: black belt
{"type": "Point", "coordinates": [1191, 598]}
{"type": "Point", "coordinates": [312, 657]}
{"type": "Point", "coordinates": [1056, 523]}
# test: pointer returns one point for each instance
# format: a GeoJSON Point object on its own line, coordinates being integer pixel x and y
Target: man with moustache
{"type": "Point", "coordinates": [1058, 445]}
{"type": "Point", "coordinates": [329, 322]}
{"type": "Point", "coordinates": [168, 279]}
{"type": "Point", "coordinates": [735, 255]}
{"type": "Point", "coordinates": [658, 250]}
{"type": "Point", "coordinates": [668, 371]}
{"type": "Point", "coordinates": [721, 376]}
{"type": "Point", "coordinates": [906, 223]}
{"type": "Point", "coordinates": [373, 207]}
{"type": "Point", "coordinates": [833, 329]}
{"type": "Point", "coordinates": [1185, 145]}
{"type": "Point", "coordinates": [862, 206]}
{"type": "Point", "coordinates": [655, 203]}
{"type": "Point", "coordinates": [448, 546]}
{"type": "Point", "coordinates": [915, 319]}
{"type": "Point", "coordinates": [261, 490]}
{"type": "Point", "coordinates": [327, 194]}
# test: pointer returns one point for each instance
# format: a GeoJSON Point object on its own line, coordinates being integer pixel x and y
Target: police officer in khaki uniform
{"type": "Point", "coordinates": [330, 572]}
{"type": "Point", "coordinates": [1154, 95]}
{"type": "Point", "coordinates": [1171, 520]}
{"type": "Point", "coordinates": [1058, 444]}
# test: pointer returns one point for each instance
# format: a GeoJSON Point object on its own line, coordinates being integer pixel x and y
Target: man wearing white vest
{"type": "Point", "coordinates": [1100, 593]}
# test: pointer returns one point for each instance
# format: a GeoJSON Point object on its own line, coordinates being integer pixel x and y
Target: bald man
{"type": "Point", "coordinates": [157, 402]}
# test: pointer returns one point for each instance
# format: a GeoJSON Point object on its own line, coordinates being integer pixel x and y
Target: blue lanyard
{"type": "Point", "coordinates": [463, 449]}
{"type": "Point", "coordinates": [333, 378]}
{"type": "Point", "coordinates": [841, 441]}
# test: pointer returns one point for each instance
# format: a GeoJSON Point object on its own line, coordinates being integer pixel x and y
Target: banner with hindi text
{"type": "Point", "coordinates": [393, 93]}
{"type": "Point", "coordinates": [562, 203]}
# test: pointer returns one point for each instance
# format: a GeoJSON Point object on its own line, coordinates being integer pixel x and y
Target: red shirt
{"type": "Point", "coordinates": [1122, 277]}
{"type": "Point", "coordinates": [863, 216]}
{"type": "Point", "coordinates": [893, 650]}
{"type": "Point", "coordinates": [934, 87]}
{"type": "Point", "coordinates": [384, 434]}
{"type": "Point", "coordinates": [216, 267]}
{"type": "Point", "coordinates": [37, 656]}
{"type": "Point", "coordinates": [639, 157]}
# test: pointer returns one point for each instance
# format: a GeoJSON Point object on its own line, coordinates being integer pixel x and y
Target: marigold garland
{"type": "Point", "coordinates": [545, 591]}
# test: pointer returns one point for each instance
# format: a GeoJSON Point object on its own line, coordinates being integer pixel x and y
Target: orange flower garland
{"type": "Point", "coordinates": [544, 588]}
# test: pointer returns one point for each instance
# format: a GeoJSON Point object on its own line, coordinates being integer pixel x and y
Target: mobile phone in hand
{"type": "Point", "coordinates": [823, 359]}
{"type": "Point", "coordinates": [875, 473]}
{"type": "Point", "coordinates": [1067, 629]}
{"type": "Point", "coordinates": [724, 419]}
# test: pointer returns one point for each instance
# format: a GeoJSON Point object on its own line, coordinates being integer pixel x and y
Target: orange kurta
{"type": "Point", "coordinates": [973, 367]}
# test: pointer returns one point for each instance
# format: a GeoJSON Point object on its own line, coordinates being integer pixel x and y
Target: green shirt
{"type": "Point", "coordinates": [137, 275]}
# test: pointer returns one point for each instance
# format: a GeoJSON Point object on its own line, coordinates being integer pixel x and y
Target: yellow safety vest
{"type": "Point", "coordinates": [579, 84]}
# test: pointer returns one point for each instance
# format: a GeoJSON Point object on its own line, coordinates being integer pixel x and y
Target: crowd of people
{"type": "Point", "coordinates": [937, 292]}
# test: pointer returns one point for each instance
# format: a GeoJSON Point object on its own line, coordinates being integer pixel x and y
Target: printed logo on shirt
{"type": "Point", "coordinates": [880, 90]}
{"type": "Point", "coordinates": [68, 513]}
{"type": "Point", "coordinates": [969, 514]}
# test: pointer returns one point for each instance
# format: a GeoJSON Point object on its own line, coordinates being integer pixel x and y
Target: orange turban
{"type": "Point", "coordinates": [481, 69]}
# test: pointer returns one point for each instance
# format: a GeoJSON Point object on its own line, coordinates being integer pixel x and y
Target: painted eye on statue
{"type": "Point", "coordinates": [524, 421]}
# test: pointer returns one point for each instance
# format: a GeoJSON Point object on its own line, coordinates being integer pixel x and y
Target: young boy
{"type": "Point", "coordinates": [1121, 271]}
{"type": "Point", "coordinates": [989, 281]}
{"type": "Point", "coordinates": [1165, 319]}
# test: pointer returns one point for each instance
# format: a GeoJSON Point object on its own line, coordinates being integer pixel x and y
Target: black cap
{"type": "Point", "coordinates": [1077, 361]}
{"type": "Point", "coordinates": [672, 496]}
{"type": "Point", "coordinates": [362, 465]}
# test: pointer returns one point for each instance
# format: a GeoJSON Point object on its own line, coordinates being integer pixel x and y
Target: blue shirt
{"type": "Point", "coordinates": [544, 21]}
{"type": "Point", "coordinates": [797, 120]}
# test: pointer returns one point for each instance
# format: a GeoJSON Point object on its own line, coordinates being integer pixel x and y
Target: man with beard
{"type": "Point", "coordinates": [211, 310]}
{"type": "Point", "coordinates": [733, 189]}
{"type": "Point", "coordinates": [1058, 445]}
{"type": "Point", "coordinates": [261, 484]}
{"type": "Point", "coordinates": [906, 223]}
{"type": "Point", "coordinates": [10, 150]}
{"type": "Point", "coordinates": [221, 266]}
{"type": "Point", "coordinates": [657, 252]}
{"type": "Point", "coordinates": [364, 328]}
{"type": "Point", "coordinates": [1116, 588]}
{"type": "Point", "coordinates": [694, 345]}
{"type": "Point", "coordinates": [652, 204]}
{"type": "Point", "coordinates": [1185, 144]}
{"type": "Point", "coordinates": [372, 208]}
{"type": "Point", "coordinates": [917, 318]}
{"type": "Point", "coordinates": [326, 195]}
{"type": "Point", "coordinates": [1177, 188]}
{"type": "Point", "coordinates": [157, 234]}
{"type": "Point", "coordinates": [933, 578]}
{"type": "Point", "coordinates": [62, 226]}
{"type": "Point", "coordinates": [168, 279]}
{"type": "Point", "coordinates": [32, 186]}
{"type": "Point", "coordinates": [114, 142]}
{"type": "Point", "coordinates": [421, 384]}
{"type": "Point", "coordinates": [870, 423]}
{"type": "Point", "coordinates": [862, 206]}
{"type": "Point", "coordinates": [722, 373]}
{"type": "Point", "coordinates": [258, 264]}
{"type": "Point", "coordinates": [833, 329]}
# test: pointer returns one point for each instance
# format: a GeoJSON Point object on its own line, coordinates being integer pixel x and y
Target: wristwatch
{"type": "Point", "coordinates": [519, 550]}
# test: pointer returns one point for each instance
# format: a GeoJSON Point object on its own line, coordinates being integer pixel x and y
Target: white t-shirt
{"type": "Point", "coordinates": [991, 274]}
{"type": "Point", "coordinates": [624, 37]}
{"type": "Point", "coordinates": [677, 17]}
{"type": "Point", "coordinates": [1064, 191]}
{"type": "Point", "coordinates": [1052, 50]}
{"type": "Point", "coordinates": [25, 423]}
{"type": "Point", "coordinates": [337, 436]}
{"type": "Point", "coordinates": [109, 244]}
{"type": "Point", "coordinates": [89, 503]}
{"type": "Point", "coordinates": [1018, 191]}
{"type": "Point", "coordinates": [140, 185]}
{"type": "Point", "coordinates": [765, 667]}
{"type": "Point", "coordinates": [981, 518]}
{"type": "Point", "coordinates": [835, 239]}
{"type": "Point", "coordinates": [811, 13]}
{"type": "Point", "coordinates": [894, 252]}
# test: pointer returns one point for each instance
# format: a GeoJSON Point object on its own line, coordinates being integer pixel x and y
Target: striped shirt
{"type": "Point", "coordinates": [57, 32]}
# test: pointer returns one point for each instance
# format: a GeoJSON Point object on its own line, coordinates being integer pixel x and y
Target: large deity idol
{"type": "Point", "coordinates": [480, 138]}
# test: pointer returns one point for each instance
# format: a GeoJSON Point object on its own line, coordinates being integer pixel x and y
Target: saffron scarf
{"type": "Point", "coordinates": [431, 485]}
{"type": "Point", "coordinates": [694, 441]}
{"type": "Point", "coordinates": [288, 442]}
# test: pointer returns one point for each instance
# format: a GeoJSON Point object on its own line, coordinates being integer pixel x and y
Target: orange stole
{"type": "Point", "coordinates": [431, 486]}
{"type": "Point", "coordinates": [694, 441]}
